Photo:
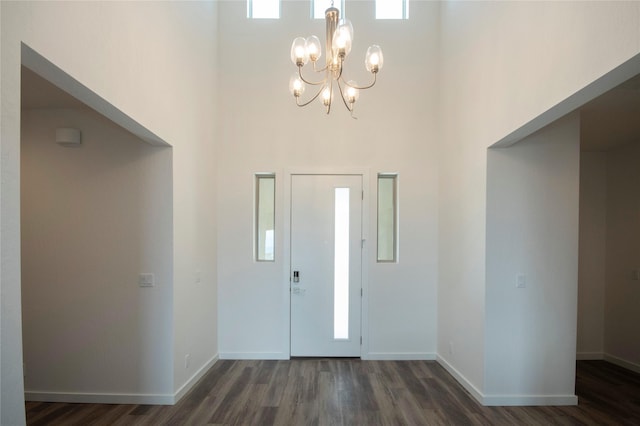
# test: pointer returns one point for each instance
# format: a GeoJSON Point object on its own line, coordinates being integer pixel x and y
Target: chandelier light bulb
{"type": "Point", "coordinates": [326, 96]}
{"type": "Point", "coordinates": [339, 43]}
{"type": "Point", "coordinates": [346, 26]}
{"type": "Point", "coordinates": [299, 55]}
{"type": "Point", "coordinates": [374, 60]}
{"type": "Point", "coordinates": [342, 40]}
{"type": "Point", "coordinates": [296, 85]}
{"type": "Point", "coordinates": [351, 93]}
{"type": "Point", "coordinates": [313, 47]}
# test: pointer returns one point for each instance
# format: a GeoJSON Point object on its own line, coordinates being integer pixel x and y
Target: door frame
{"type": "Point", "coordinates": [286, 244]}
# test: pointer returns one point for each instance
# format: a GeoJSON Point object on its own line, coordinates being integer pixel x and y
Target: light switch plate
{"type": "Point", "coordinates": [146, 280]}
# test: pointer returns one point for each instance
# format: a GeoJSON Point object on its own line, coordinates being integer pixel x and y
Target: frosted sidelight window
{"type": "Point", "coordinates": [392, 9]}
{"type": "Point", "coordinates": [387, 217]}
{"type": "Point", "coordinates": [265, 217]}
{"type": "Point", "coordinates": [263, 9]}
{"type": "Point", "coordinates": [341, 265]}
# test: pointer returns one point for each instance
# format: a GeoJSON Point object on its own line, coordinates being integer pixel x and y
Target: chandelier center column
{"type": "Point", "coordinates": [332, 16]}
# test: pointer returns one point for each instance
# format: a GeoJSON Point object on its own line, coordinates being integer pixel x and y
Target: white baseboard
{"type": "Point", "coordinates": [254, 355]}
{"type": "Point", "coordinates": [622, 363]}
{"type": "Point", "coordinates": [121, 398]}
{"type": "Point", "coordinates": [461, 379]}
{"type": "Point", "coordinates": [589, 356]}
{"type": "Point", "coordinates": [100, 398]}
{"type": "Point", "coordinates": [399, 356]}
{"type": "Point", "coordinates": [506, 400]}
{"type": "Point", "coordinates": [182, 391]}
{"type": "Point", "coordinates": [528, 400]}
{"type": "Point", "coordinates": [372, 356]}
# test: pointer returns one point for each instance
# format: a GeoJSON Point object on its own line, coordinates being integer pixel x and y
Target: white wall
{"type": "Point", "coordinates": [156, 62]}
{"type": "Point", "coordinates": [92, 219]}
{"type": "Point", "coordinates": [592, 255]}
{"type": "Point", "coordinates": [190, 95]}
{"type": "Point", "coordinates": [622, 316]}
{"type": "Point", "coordinates": [532, 231]}
{"type": "Point", "coordinates": [262, 130]}
{"type": "Point", "coordinates": [607, 314]}
{"type": "Point", "coordinates": [502, 65]}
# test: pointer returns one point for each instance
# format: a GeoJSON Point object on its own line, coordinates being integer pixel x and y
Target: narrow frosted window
{"type": "Point", "coordinates": [387, 217]}
{"type": "Point", "coordinates": [320, 6]}
{"type": "Point", "coordinates": [392, 9]}
{"type": "Point", "coordinates": [265, 217]}
{"type": "Point", "coordinates": [341, 265]}
{"type": "Point", "coordinates": [263, 9]}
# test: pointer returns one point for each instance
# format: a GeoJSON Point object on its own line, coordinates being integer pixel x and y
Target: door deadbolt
{"type": "Point", "coordinates": [296, 276]}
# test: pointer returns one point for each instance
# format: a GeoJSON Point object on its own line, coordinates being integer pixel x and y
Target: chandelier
{"type": "Point", "coordinates": [338, 46]}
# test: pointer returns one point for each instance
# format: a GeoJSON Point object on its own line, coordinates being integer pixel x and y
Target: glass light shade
{"type": "Point", "coordinates": [347, 26]}
{"type": "Point", "coordinates": [342, 39]}
{"type": "Point", "coordinates": [299, 54]}
{"type": "Point", "coordinates": [296, 85]}
{"type": "Point", "coordinates": [350, 92]}
{"type": "Point", "coordinates": [325, 97]}
{"type": "Point", "coordinates": [374, 59]}
{"type": "Point", "coordinates": [313, 47]}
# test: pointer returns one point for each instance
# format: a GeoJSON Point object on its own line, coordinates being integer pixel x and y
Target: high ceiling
{"type": "Point", "coordinates": [608, 121]}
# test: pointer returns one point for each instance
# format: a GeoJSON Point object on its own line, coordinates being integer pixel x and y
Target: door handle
{"type": "Point", "coordinates": [296, 276]}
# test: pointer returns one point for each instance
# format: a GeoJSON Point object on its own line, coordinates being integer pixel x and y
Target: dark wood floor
{"type": "Point", "coordinates": [354, 392]}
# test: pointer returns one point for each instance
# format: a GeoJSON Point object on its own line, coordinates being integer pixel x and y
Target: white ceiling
{"type": "Point", "coordinates": [39, 93]}
{"type": "Point", "coordinates": [608, 121]}
{"type": "Point", "coordinates": [612, 119]}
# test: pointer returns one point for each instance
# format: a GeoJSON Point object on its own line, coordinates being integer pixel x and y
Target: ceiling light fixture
{"type": "Point", "coordinates": [338, 46]}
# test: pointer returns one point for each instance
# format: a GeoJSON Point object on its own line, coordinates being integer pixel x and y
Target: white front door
{"type": "Point", "coordinates": [326, 258]}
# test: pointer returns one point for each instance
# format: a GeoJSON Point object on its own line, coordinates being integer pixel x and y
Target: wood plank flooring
{"type": "Point", "coordinates": [354, 392]}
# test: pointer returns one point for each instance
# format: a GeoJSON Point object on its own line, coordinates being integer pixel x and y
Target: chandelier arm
{"type": "Point", "coordinates": [363, 87]}
{"type": "Point", "coordinates": [341, 68]}
{"type": "Point", "coordinates": [311, 100]}
{"type": "Point", "coordinates": [342, 96]}
{"type": "Point", "coordinates": [321, 69]}
{"type": "Point", "coordinates": [330, 96]}
{"type": "Point", "coordinates": [324, 80]}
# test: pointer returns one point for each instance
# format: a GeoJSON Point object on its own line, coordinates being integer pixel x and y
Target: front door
{"type": "Point", "coordinates": [326, 258]}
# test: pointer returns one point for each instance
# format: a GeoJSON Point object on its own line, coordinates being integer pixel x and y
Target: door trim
{"type": "Point", "coordinates": [286, 242]}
